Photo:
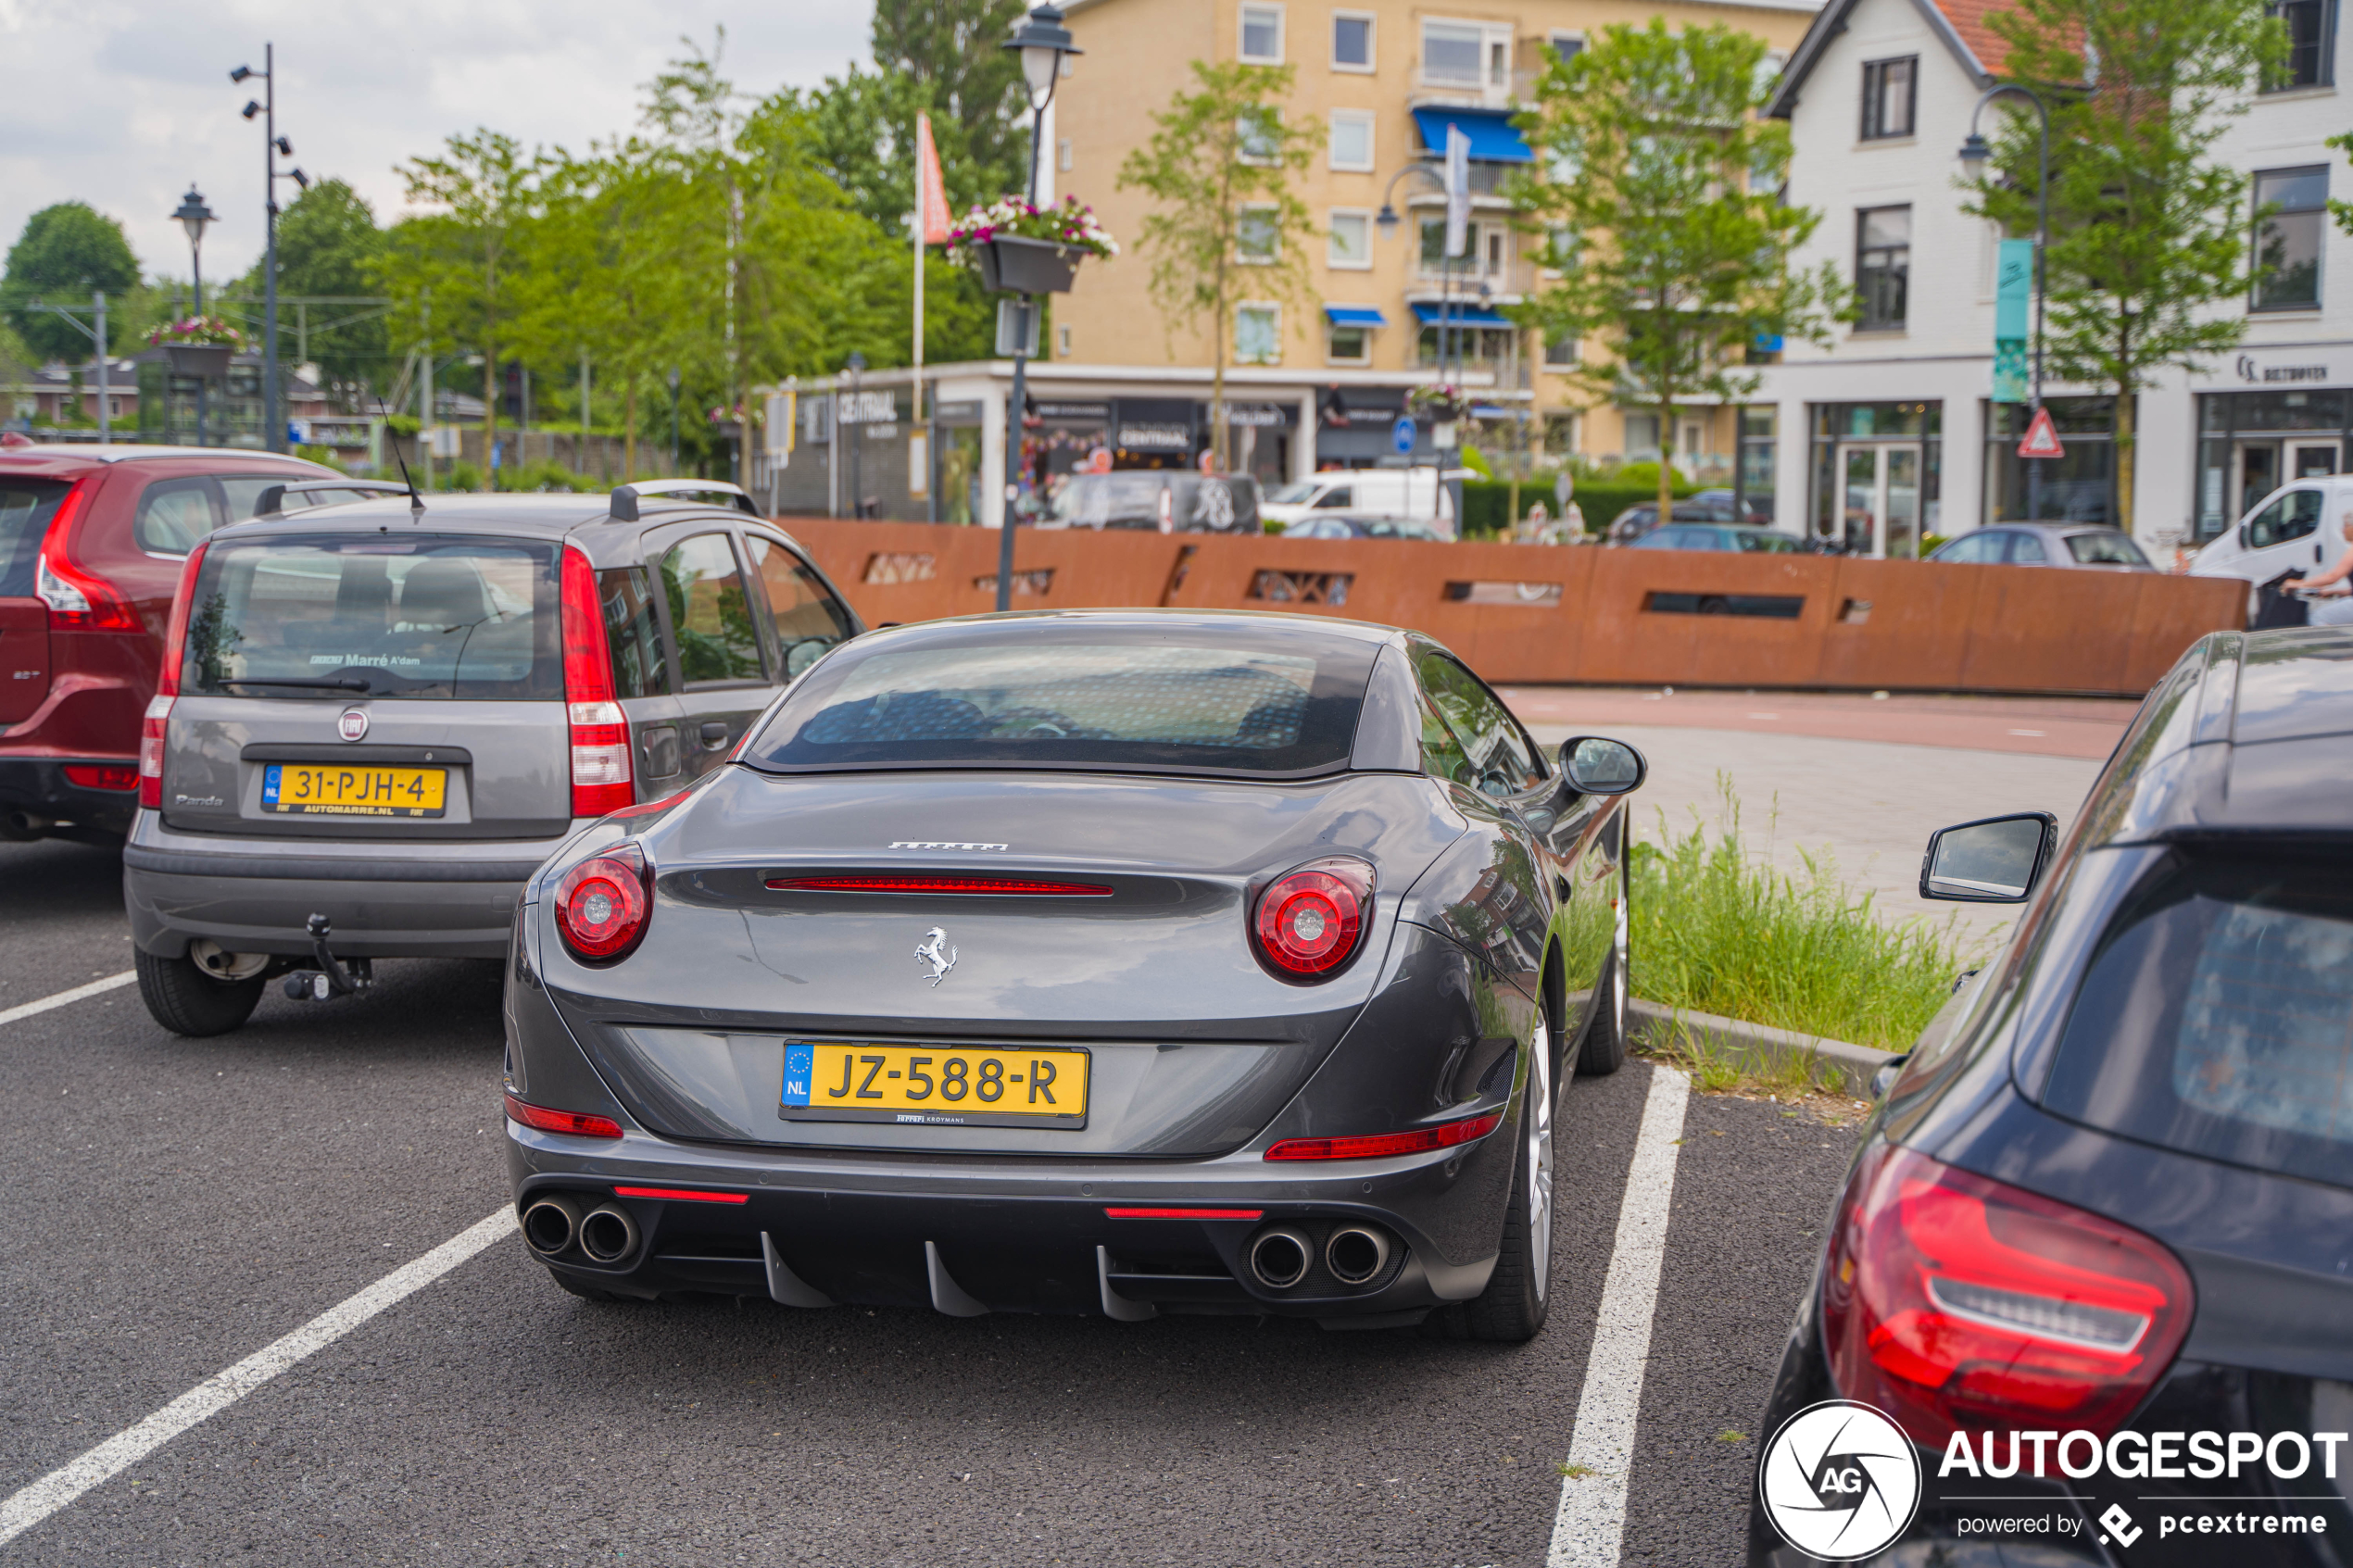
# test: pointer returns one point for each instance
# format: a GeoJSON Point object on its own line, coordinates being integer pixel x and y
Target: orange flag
{"type": "Point", "coordinates": [931, 195]}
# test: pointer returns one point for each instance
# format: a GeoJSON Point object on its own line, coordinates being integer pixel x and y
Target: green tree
{"type": "Point", "coordinates": [2147, 230]}
{"type": "Point", "coordinates": [467, 258]}
{"type": "Point", "coordinates": [1226, 222]}
{"type": "Point", "coordinates": [329, 247]}
{"type": "Point", "coordinates": [66, 252]}
{"type": "Point", "coordinates": [1661, 197]}
{"type": "Point", "coordinates": [951, 53]}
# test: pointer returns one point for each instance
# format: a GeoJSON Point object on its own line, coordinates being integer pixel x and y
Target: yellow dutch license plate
{"type": "Point", "coordinates": [935, 1085]}
{"type": "Point", "coordinates": [303, 789]}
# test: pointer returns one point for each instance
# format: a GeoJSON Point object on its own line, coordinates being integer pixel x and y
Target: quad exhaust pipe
{"type": "Point", "coordinates": [1279, 1256]}
{"type": "Point", "coordinates": [1282, 1256]}
{"type": "Point", "coordinates": [549, 1224]}
{"type": "Point", "coordinates": [555, 1225]}
{"type": "Point", "coordinates": [609, 1234]}
{"type": "Point", "coordinates": [1356, 1254]}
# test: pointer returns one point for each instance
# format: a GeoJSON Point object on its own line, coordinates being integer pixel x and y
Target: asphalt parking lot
{"type": "Point", "coordinates": [182, 1204]}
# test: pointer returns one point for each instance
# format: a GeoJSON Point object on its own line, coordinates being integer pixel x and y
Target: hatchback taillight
{"type": "Point", "coordinates": [154, 726]}
{"type": "Point", "coordinates": [1309, 921]}
{"type": "Point", "coordinates": [1954, 1302]}
{"type": "Point", "coordinates": [602, 903]}
{"type": "Point", "coordinates": [599, 729]}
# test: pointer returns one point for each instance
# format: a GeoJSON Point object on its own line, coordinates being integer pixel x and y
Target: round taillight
{"type": "Point", "coordinates": [1310, 920]}
{"type": "Point", "coordinates": [601, 904]}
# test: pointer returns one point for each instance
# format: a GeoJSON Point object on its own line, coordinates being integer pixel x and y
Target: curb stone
{"type": "Point", "coordinates": [1739, 1040]}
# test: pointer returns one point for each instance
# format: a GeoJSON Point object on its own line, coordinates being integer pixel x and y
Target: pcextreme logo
{"type": "Point", "coordinates": [1840, 1481]}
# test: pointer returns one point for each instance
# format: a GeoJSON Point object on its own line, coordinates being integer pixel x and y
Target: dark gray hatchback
{"type": "Point", "coordinates": [373, 723]}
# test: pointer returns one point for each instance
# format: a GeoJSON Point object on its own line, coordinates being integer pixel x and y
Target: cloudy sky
{"type": "Point", "coordinates": [121, 103]}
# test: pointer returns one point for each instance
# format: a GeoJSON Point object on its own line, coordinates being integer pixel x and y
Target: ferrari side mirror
{"type": "Point", "coordinates": [1595, 766]}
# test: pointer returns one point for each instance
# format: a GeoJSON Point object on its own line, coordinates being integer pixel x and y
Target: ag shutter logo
{"type": "Point", "coordinates": [1840, 1481]}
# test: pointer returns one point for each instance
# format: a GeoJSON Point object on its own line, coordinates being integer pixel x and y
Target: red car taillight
{"type": "Point", "coordinates": [579, 1123]}
{"type": "Point", "coordinates": [154, 726]}
{"type": "Point", "coordinates": [1954, 1302]}
{"type": "Point", "coordinates": [1310, 920]}
{"type": "Point", "coordinates": [600, 730]}
{"type": "Point", "coordinates": [601, 904]}
{"type": "Point", "coordinates": [1380, 1146]}
{"type": "Point", "coordinates": [79, 601]}
{"type": "Point", "coordinates": [102, 776]}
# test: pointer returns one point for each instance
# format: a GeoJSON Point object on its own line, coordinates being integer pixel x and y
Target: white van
{"type": "Point", "coordinates": [2299, 527]}
{"type": "Point", "coordinates": [1419, 495]}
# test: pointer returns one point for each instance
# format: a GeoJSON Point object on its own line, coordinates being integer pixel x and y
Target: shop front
{"type": "Point", "coordinates": [1875, 476]}
{"type": "Point", "coordinates": [2251, 443]}
{"type": "Point", "coordinates": [2078, 487]}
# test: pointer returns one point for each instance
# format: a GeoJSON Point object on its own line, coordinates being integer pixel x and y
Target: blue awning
{"type": "Point", "coordinates": [1459, 314]}
{"type": "Point", "coordinates": [1354, 316]}
{"type": "Point", "coordinates": [1493, 138]}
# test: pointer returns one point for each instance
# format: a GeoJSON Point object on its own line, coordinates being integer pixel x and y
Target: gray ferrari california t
{"type": "Point", "coordinates": [1123, 962]}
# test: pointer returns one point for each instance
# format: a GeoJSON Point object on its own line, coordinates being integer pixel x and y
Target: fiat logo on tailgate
{"type": "Point", "coordinates": [352, 723]}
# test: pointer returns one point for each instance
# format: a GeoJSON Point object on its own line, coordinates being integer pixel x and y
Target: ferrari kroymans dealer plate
{"type": "Point", "coordinates": [935, 1085]}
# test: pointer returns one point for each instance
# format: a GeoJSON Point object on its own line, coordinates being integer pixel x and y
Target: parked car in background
{"type": "Point", "coordinates": [90, 542]}
{"type": "Point", "coordinates": [2104, 1202]}
{"type": "Point", "coordinates": [1641, 517]}
{"type": "Point", "coordinates": [1728, 503]}
{"type": "Point", "coordinates": [1335, 526]}
{"type": "Point", "coordinates": [2090, 546]}
{"type": "Point", "coordinates": [1720, 536]}
{"type": "Point", "coordinates": [1171, 501]}
{"type": "Point", "coordinates": [1423, 495]}
{"type": "Point", "coordinates": [390, 719]}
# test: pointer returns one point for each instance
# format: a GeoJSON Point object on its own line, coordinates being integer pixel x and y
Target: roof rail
{"type": "Point", "coordinates": [272, 498]}
{"type": "Point", "coordinates": [624, 497]}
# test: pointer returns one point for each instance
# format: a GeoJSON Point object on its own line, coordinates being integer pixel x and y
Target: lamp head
{"type": "Point", "coordinates": [285, 148]}
{"type": "Point", "coordinates": [299, 178]}
{"type": "Point", "coordinates": [241, 73]}
{"type": "Point", "coordinates": [673, 381]}
{"type": "Point", "coordinates": [194, 216]}
{"type": "Point", "coordinates": [253, 106]}
{"type": "Point", "coordinates": [1974, 152]}
{"type": "Point", "coordinates": [1385, 222]}
{"type": "Point", "coordinates": [1041, 41]}
{"type": "Point", "coordinates": [856, 362]}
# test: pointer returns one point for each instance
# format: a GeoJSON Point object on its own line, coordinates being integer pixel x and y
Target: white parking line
{"type": "Point", "coordinates": [1590, 1525]}
{"type": "Point", "coordinates": [224, 1389]}
{"type": "Point", "coordinates": [26, 1010]}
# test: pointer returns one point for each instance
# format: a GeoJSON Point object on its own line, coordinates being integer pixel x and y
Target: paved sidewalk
{"type": "Point", "coordinates": [2084, 727]}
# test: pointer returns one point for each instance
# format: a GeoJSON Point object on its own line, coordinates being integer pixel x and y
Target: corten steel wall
{"type": "Point", "coordinates": [1529, 614]}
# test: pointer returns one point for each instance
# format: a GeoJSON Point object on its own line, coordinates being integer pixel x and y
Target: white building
{"type": "Point", "coordinates": [1889, 434]}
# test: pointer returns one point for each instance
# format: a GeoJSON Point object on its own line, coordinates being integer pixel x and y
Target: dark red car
{"type": "Point", "coordinates": [91, 543]}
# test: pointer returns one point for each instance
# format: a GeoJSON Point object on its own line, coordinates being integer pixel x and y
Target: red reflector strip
{"type": "Point", "coordinates": [576, 1122]}
{"type": "Point", "coordinates": [681, 1194]}
{"type": "Point", "coordinates": [1185, 1213]}
{"type": "Point", "coordinates": [938, 885]}
{"type": "Point", "coordinates": [102, 775]}
{"type": "Point", "coordinates": [1381, 1145]}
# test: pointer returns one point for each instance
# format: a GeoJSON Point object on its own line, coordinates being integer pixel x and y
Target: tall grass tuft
{"type": "Point", "coordinates": [1718, 930]}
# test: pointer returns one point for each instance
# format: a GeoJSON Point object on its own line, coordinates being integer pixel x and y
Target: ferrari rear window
{"type": "Point", "coordinates": [1032, 696]}
{"type": "Point", "coordinates": [336, 616]}
{"type": "Point", "coordinates": [2217, 1017]}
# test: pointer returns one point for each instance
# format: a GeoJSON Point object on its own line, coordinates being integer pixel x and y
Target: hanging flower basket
{"type": "Point", "coordinates": [200, 345]}
{"type": "Point", "coordinates": [209, 361]}
{"type": "Point", "coordinates": [1024, 249]}
{"type": "Point", "coordinates": [1016, 265]}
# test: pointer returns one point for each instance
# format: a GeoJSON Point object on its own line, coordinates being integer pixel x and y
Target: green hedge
{"type": "Point", "coordinates": [1487, 504]}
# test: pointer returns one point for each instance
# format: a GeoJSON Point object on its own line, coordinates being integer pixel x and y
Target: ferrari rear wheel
{"type": "Point", "coordinates": [1511, 1308]}
{"type": "Point", "coordinates": [186, 1000]}
{"type": "Point", "coordinates": [1602, 1051]}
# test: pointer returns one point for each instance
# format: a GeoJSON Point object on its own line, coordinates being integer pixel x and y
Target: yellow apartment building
{"type": "Point", "coordinates": [1383, 79]}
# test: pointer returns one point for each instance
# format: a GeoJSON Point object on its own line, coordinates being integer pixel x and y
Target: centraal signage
{"type": "Point", "coordinates": [868, 408]}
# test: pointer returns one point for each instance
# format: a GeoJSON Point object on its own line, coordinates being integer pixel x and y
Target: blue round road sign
{"type": "Point", "coordinates": [1401, 435]}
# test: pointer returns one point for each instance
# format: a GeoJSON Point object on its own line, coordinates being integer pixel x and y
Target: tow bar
{"type": "Point", "coordinates": [331, 978]}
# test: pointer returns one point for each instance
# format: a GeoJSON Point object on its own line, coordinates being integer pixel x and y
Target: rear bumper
{"type": "Point", "coordinates": [38, 787]}
{"type": "Point", "coordinates": [388, 901]}
{"type": "Point", "coordinates": [1019, 1235]}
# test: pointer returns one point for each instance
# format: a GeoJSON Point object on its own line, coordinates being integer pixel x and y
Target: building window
{"type": "Point", "coordinates": [1882, 265]}
{"type": "Point", "coordinates": [1062, 155]}
{"type": "Point", "coordinates": [1568, 46]}
{"type": "Point", "coordinates": [1560, 352]}
{"type": "Point", "coordinates": [1465, 55]}
{"type": "Point", "coordinates": [1752, 479]}
{"type": "Point", "coordinates": [1262, 41]}
{"type": "Point", "coordinates": [1352, 41]}
{"type": "Point", "coordinates": [1486, 249]}
{"type": "Point", "coordinates": [2290, 215]}
{"type": "Point", "coordinates": [1887, 97]}
{"type": "Point", "coordinates": [2311, 44]}
{"type": "Point", "coordinates": [1258, 235]}
{"type": "Point", "coordinates": [2079, 487]}
{"type": "Point", "coordinates": [1061, 340]}
{"type": "Point", "coordinates": [1258, 335]}
{"type": "Point", "coordinates": [1641, 437]}
{"type": "Point", "coordinates": [1351, 146]}
{"type": "Point", "coordinates": [1348, 345]}
{"type": "Point", "coordinates": [1351, 241]}
{"type": "Point", "coordinates": [1257, 136]}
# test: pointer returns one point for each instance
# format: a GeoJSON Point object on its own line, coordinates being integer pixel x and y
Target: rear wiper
{"type": "Point", "coordinates": [314, 683]}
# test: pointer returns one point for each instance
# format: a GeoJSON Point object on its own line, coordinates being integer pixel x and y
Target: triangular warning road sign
{"type": "Point", "coordinates": [2042, 438]}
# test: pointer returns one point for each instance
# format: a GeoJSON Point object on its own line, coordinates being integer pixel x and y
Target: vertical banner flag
{"type": "Point", "coordinates": [931, 228]}
{"type": "Point", "coordinates": [1457, 190]}
{"type": "Point", "coordinates": [931, 195]}
{"type": "Point", "coordinates": [2013, 291]}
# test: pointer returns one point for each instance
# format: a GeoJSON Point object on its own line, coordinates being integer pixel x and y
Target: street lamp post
{"type": "Point", "coordinates": [273, 423]}
{"type": "Point", "coordinates": [1974, 152]}
{"type": "Point", "coordinates": [196, 218]}
{"type": "Point", "coordinates": [673, 419]}
{"type": "Point", "coordinates": [1385, 222]}
{"type": "Point", "coordinates": [1041, 41]}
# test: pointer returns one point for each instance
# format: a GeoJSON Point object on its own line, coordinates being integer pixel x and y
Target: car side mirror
{"type": "Point", "coordinates": [1997, 860]}
{"type": "Point", "coordinates": [1595, 766]}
